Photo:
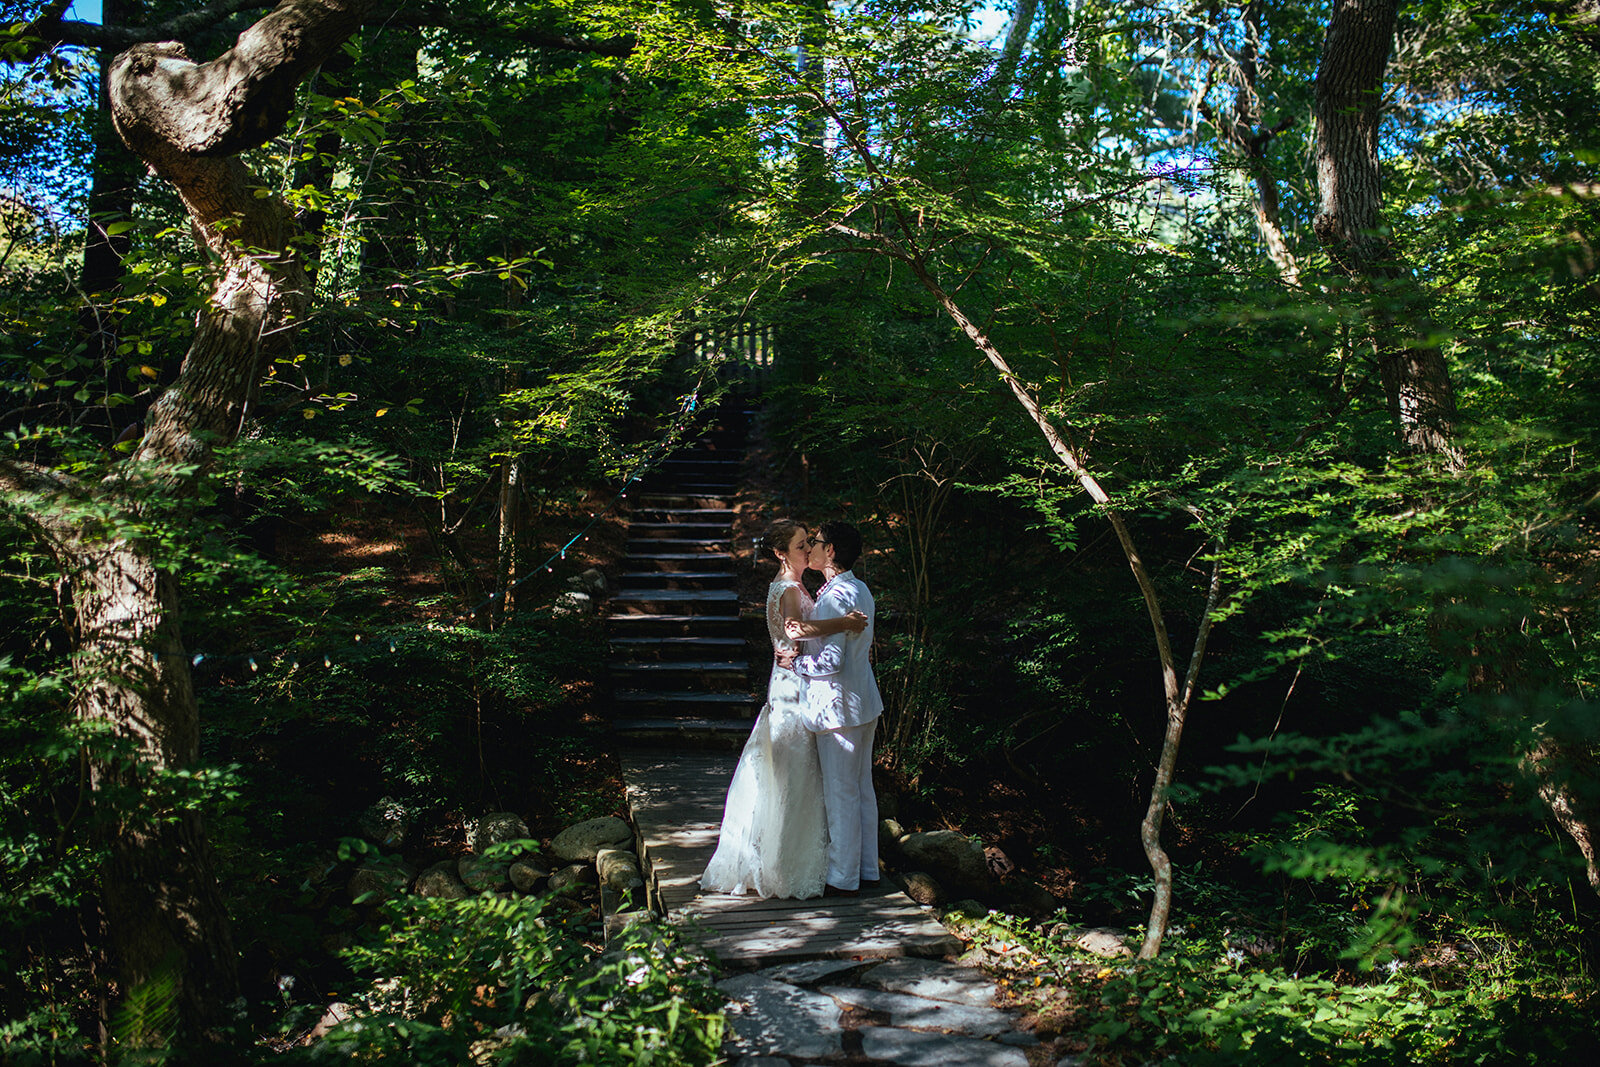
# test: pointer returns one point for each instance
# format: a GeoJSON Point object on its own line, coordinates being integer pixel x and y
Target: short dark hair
{"type": "Point", "coordinates": [779, 533]}
{"type": "Point", "coordinates": [846, 542]}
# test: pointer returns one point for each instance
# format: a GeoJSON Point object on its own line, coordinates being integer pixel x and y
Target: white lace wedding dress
{"type": "Point", "coordinates": [774, 839]}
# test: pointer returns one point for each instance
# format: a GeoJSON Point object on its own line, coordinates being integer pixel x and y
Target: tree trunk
{"type": "Point", "coordinates": [113, 180]}
{"type": "Point", "coordinates": [164, 912]}
{"type": "Point", "coordinates": [1349, 92]}
{"type": "Point", "coordinates": [1240, 130]}
{"type": "Point", "coordinates": [1179, 694]}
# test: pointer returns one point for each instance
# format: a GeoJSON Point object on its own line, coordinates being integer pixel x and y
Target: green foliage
{"type": "Point", "coordinates": [507, 981]}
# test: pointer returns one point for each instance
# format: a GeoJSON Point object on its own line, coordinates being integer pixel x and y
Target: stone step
{"type": "Point", "coordinates": [681, 500]}
{"type": "Point", "coordinates": [700, 486]}
{"type": "Point", "coordinates": [679, 531]}
{"type": "Point", "coordinates": [675, 649]}
{"type": "Point", "coordinates": [678, 601]}
{"type": "Point", "coordinates": [684, 732]}
{"type": "Point", "coordinates": [673, 624]}
{"type": "Point", "coordinates": [724, 579]}
{"type": "Point", "coordinates": [678, 545]}
{"type": "Point", "coordinates": [670, 562]}
{"type": "Point", "coordinates": [651, 515]}
{"type": "Point", "coordinates": [683, 676]}
{"type": "Point", "coordinates": [660, 703]}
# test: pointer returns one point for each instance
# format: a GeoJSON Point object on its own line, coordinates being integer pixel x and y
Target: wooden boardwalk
{"type": "Point", "coordinates": [676, 800]}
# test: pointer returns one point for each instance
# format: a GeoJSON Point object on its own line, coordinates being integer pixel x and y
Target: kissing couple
{"type": "Point", "coordinates": [801, 818]}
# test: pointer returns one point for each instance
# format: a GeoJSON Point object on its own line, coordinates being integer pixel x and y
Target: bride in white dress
{"type": "Point", "coordinates": [774, 839]}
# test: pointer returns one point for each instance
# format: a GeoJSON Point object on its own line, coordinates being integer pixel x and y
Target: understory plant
{"type": "Point", "coordinates": [493, 980]}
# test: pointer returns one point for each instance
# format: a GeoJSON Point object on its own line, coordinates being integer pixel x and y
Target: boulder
{"type": "Point", "coordinates": [582, 841]}
{"type": "Point", "coordinates": [526, 876]}
{"type": "Point", "coordinates": [441, 880]}
{"type": "Point", "coordinates": [497, 828]}
{"type": "Point", "coordinates": [923, 888]}
{"type": "Point", "coordinates": [483, 876]}
{"type": "Point", "coordinates": [380, 879]}
{"type": "Point", "coordinates": [1103, 941]}
{"type": "Point", "coordinates": [1028, 897]}
{"type": "Point", "coordinates": [385, 822]}
{"type": "Point", "coordinates": [618, 869]}
{"type": "Point", "coordinates": [591, 581]}
{"type": "Point", "coordinates": [889, 835]}
{"type": "Point", "coordinates": [948, 856]}
{"type": "Point", "coordinates": [570, 878]}
{"type": "Point", "coordinates": [573, 602]}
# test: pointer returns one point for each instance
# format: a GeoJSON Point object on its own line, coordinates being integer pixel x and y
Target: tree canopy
{"type": "Point", "coordinates": [1216, 383]}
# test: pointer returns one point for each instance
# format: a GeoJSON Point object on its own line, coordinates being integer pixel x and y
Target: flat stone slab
{"type": "Point", "coordinates": [777, 1019]}
{"type": "Point", "coordinates": [924, 1014]}
{"type": "Point", "coordinates": [934, 980]}
{"type": "Point", "coordinates": [908, 1048]}
{"type": "Point", "coordinates": [807, 971]}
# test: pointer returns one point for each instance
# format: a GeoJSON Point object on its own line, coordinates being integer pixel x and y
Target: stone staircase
{"type": "Point", "coordinates": [678, 660]}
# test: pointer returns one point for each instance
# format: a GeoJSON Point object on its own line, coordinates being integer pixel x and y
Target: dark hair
{"type": "Point", "coordinates": [846, 542]}
{"type": "Point", "coordinates": [779, 533]}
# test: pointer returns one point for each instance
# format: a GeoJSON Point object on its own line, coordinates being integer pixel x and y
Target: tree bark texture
{"type": "Point", "coordinates": [165, 916]}
{"type": "Point", "coordinates": [1349, 92]}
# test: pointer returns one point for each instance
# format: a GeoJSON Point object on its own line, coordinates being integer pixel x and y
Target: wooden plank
{"type": "Point", "coordinates": [676, 800]}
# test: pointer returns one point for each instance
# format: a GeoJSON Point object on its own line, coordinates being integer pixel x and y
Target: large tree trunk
{"type": "Point", "coordinates": [1349, 91]}
{"type": "Point", "coordinates": [165, 916]}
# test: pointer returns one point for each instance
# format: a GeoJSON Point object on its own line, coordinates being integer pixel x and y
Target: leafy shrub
{"type": "Point", "coordinates": [509, 981]}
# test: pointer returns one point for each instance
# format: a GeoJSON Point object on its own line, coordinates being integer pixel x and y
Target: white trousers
{"type": "Point", "coordinates": [850, 804]}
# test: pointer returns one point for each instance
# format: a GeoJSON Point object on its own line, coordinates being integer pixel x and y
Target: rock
{"type": "Point", "coordinates": [582, 841]}
{"type": "Point", "coordinates": [923, 888]}
{"type": "Point", "coordinates": [618, 869]}
{"type": "Point", "coordinates": [578, 874]}
{"type": "Point", "coordinates": [932, 980]}
{"type": "Point", "coordinates": [889, 835]}
{"type": "Point", "coordinates": [594, 582]}
{"type": "Point", "coordinates": [336, 1014]}
{"type": "Point", "coordinates": [441, 880]}
{"type": "Point", "coordinates": [968, 909]}
{"type": "Point", "coordinates": [380, 879]}
{"type": "Point", "coordinates": [999, 864]}
{"type": "Point", "coordinates": [908, 1048]}
{"type": "Point", "coordinates": [1030, 898]}
{"type": "Point", "coordinates": [921, 1012]}
{"type": "Point", "coordinates": [525, 876]}
{"type": "Point", "coordinates": [947, 854]}
{"type": "Point", "coordinates": [483, 876]}
{"type": "Point", "coordinates": [573, 602]}
{"type": "Point", "coordinates": [385, 822]}
{"type": "Point", "coordinates": [775, 1019]}
{"type": "Point", "coordinates": [497, 828]}
{"type": "Point", "coordinates": [807, 971]}
{"type": "Point", "coordinates": [1103, 941]}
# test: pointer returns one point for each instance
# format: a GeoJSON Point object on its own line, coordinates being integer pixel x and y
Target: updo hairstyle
{"type": "Point", "coordinates": [776, 540]}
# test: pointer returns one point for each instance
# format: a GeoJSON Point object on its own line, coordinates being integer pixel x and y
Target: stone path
{"type": "Point", "coordinates": [912, 1012]}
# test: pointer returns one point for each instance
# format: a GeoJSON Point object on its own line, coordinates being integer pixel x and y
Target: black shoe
{"type": "Point", "coordinates": [835, 891]}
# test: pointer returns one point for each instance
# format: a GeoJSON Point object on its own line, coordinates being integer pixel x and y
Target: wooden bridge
{"type": "Point", "coordinates": [676, 801]}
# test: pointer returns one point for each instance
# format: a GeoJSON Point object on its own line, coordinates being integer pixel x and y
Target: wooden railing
{"type": "Point", "coordinates": [743, 350]}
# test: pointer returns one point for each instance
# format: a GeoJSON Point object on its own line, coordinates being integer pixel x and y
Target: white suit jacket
{"type": "Point", "coordinates": [840, 688]}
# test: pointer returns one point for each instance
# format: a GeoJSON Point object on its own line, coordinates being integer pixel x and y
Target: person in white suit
{"type": "Point", "coordinates": [842, 707]}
